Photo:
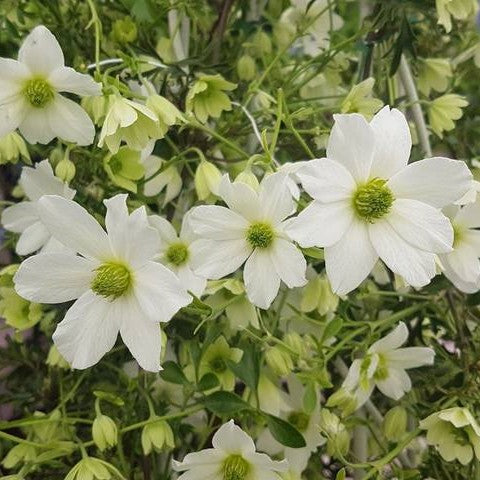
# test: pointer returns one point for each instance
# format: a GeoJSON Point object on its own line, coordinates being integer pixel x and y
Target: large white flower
{"type": "Point", "coordinates": [23, 217]}
{"type": "Point", "coordinates": [29, 93]}
{"type": "Point", "coordinates": [118, 285]}
{"type": "Point", "coordinates": [251, 229]}
{"type": "Point", "coordinates": [384, 367]}
{"type": "Point", "coordinates": [233, 457]}
{"type": "Point", "coordinates": [176, 254]}
{"type": "Point", "coordinates": [368, 203]}
{"type": "Point", "coordinates": [462, 265]}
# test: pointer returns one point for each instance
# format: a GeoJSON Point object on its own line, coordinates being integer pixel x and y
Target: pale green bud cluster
{"type": "Point", "coordinates": [279, 361]}
{"type": "Point", "coordinates": [338, 437]}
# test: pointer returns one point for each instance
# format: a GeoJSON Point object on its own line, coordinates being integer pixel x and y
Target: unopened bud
{"type": "Point", "coordinates": [104, 432]}
{"type": "Point", "coordinates": [395, 424]}
{"type": "Point", "coordinates": [207, 179]}
{"type": "Point", "coordinates": [279, 361]}
{"type": "Point", "coordinates": [246, 68]}
{"type": "Point", "coordinates": [157, 435]}
{"type": "Point", "coordinates": [65, 170]}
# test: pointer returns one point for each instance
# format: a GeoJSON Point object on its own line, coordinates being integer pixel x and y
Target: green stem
{"type": "Point", "coordinates": [98, 33]}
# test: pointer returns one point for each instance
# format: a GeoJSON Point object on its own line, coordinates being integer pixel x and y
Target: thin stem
{"type": "Point", "coordinates": [98, 33]}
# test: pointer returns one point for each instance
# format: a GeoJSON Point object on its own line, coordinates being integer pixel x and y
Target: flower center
{"type": "Point", "coordinates": [457, 235]}
{"type": "Point", "coordinates": [373, 200]}
{"type": "Point", "coordinates": [381, 372]}
{"type": "Point", "coordinates": [299, 420]}
{"type": "Point", "coordinates": [177, 253]}
{"type": "Point", "coordinates": [218, 365]}
{"type": "Point", "coordinates": [112, 280]}
{"type": "Point", "coordinates": [235, 467]}
{"type": "Point", "coordinates": [260, 235]}
{"type": "Point", "coordinates": [38, 92]}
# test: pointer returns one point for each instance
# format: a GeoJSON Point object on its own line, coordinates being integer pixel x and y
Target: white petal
{"type": "Point", "coordinates": [320, 224]}
{"type": "Point", "coordinates": [159, 292]}
{"type": "Point", "coordinates": [232, 439]}
{"type": "Point", "coordinates": [41, 52]}
{"type": "Point", "coordinates": [392, 142]}
{"type": "Point", "coordinates": [352, 143]}
{"type": "Point", "coordinates": [66, 79]}
{"type": "Point", "coordinates": [353, 376]}
{"type": "Point", "coordinates": [32, 239]}
{"type": "Point", "coordinates": [11, 116]}
{"type": "Point", "coordinates": [12, 79]}
{"type": "Point", "coordinates": [190, 281]}
{"type": "Point", "coordinates": [469, 215]}
{"type": "Point", "coordinates": [140, 335]}
{"type": "Point", "coordinates": [73, 226]}
{"type": "Point", "coordinates": [392, 341]}
{"type": "Point", "coordinates": [131, 237]}
{"type": "Point", "coordinates": [289, 263]}
{"type": "Point", "coordinates": [421, 225]}
{"type": "Point", "coordinates": [275, 200]}
{"type": "Point", "coordinates": [214, 259]}
{"type": "Point", "coordinates": [205, 457]}
{"type": "Point", "coordinates": [416, 266]}
{"type": "Point", "coordinates": [53, 277]}
{"type": "Point", "coordinates": [218, 223]}
{"type": "Point", "coordinates": [326, 180]}
{"type": "Point", "coordinates": [167, 233]}
{"type": "Point", "coordinates": [18, 217]}
{"type": "Point", "coordinates": [437, 181]}
{"type": "Point", "coordinates": [396, 384]}
{"type": "Point", "coordinates": [349, 261]}
{"type": "Point", "coordinates": [35, 126]}
{"type": "Point", "coordinates": [70, 122]}
{"type": "Point", "coordinates": [240, 198]}
{"type": "Point", "coordinates": [88, 331]}
{"type": "Point", "coordinates": [261, 279]}
{"type": "Point", "coordinates": [41, 180]}
{"type": "Point", "coordinates": [463, 261]}
{"type": "Point", "coordinates": [411, 357]}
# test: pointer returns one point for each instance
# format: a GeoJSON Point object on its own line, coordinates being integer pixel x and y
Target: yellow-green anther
{"type": "Point", "coordinates": [260, 235]}
{"type": "Point", "coordinates": [112, 280]}
{"type": "Point", "coordinates": [373, 200]}
{"type": "Point", "coordinates": [38, 92]}
{"type": "Point", "coordinates": [177, 253]}
{"type": "Point", "coordinates": [235, 468]}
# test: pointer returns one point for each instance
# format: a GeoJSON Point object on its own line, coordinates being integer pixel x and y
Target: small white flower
{"type": "Point", "coordinates": [176, 254]}
{"type": "Point", "coordinates": [118, 285]}
{"type": "Point", "coordinates": [29, 93]}
{"type": "Point", "coordinates": [168, 179]}
{"type": "Point", "coordinates": [385, 367]}
{"type": "Point", "coordinates": [368, 203]}
{"type": "Point", "coordinates": [23, 217]}
{"type": "Point", "coordinates": [462, 265]}
{"type": "Point", "coordinates": [251, 230]}
{"type": "Point", "coordinates": [233, 457]}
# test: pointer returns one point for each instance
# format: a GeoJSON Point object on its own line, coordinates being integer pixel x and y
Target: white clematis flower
{"type": "Point", "coordinates": [176, 254]}
{"type": "Point", "coordinates": [29, 93]}
{"type": "Point", "coordinates": [251, 229]}
{"type": "Point", "coordinates": [23, 217]}
{"type": "Point", "coordinates": [462, 265]}
{"type": "Point", "coordinates": [118, 285]}
{"type": "Point", "coordinates": [385, 367]}
{"type": "Point", "coordinates": [233, 457]}
{"type": "Point", "coordinates": [368, 203]}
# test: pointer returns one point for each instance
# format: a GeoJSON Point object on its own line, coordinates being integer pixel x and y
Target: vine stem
{"type": "Point", "coordinates": [98, 32]}
{"type": "Point", "coordinates": [411, 90]}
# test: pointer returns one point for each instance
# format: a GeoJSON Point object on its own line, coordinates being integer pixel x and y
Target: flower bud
{"type": "Point", "coordinates": [19, 453]}
{"type": "Point", "coordinates": [248, 177]}
{"type": "Point", "coordinates": [157, 435]}
{"type": "Point", "coordinates": [91, 468]}
{"type": "Point", "coordinates": [104, 432]}
{"type": "Point", "coordinates": [55, 359]}
{"type": "Point", "coordinates": [246, 68]}
{"type": "Point", "coordinates": [395, 424]}
{"type": "Point", "coordinates": [124, 30]}
{"type": "Point", "coordinates": [65, 170]}
{"type": "Point", "coordinates": [261, 43]}
{"type": "Point", "coordinates": [12, 147]}
{"type": "Point", "coordinates": [279, 361]}
{"type": "Point", "coordinates": [296, 343]}
{"type": "Point", "coordinates": [343, 400]}
{"type": "Point", "coordinates": [207, 179]}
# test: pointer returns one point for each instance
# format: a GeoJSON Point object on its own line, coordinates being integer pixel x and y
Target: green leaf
{"type": "Point", "coordinates": [341, 475]}
{"type": "Point", "coordinates": [313, 252]}
{"type": "Point", "coordinates": [309, 398]}
{"type": "Point", "coordinates": [109, 397]}
{"type": "Point", "coordinates": [197, 307]}
{"type": "Point", "coordinates": [173, 373]}
{"type": "Point", "coordinates": [285, 433]}
{"type": "Point", "coordinates": [225, 403]}
{"type": "Point", "coordinates": [248, 369]}
{"type": "Point", "coordinates": [332, 328]}
{"type": "Point", "coordinates": [207, 382]}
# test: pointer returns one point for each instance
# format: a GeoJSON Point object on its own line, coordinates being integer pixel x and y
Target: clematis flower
{"type": "Point", "coordinates": [434, 74]}
{"type": "Point", "coordinates": [455, 434]}
{"type": "Point", "coordinates": [30, 98]}
{"type": "Point", "coordinates": [458, 9]}
{"type": "Point", "coordinates": [176, 254]}
{"type": "Point", "coordinates": [444, 110]}
{"type": "Point", "coordinates": [250, 230]}
{"type": "Point", "coordinates": [168, 180]}
{"type": "Point", "coordinates": [462, 265]}
{"type": "Point", "coordinates": [233, 457]}
{"type": "Point", "coordinates": [384, 366]}
{"type": "Point", "coordinates": [368, 203]}
{"type": "Point", "coordinates": [23, 217]}
{"type": "Point", "coordinates": [118, 285]}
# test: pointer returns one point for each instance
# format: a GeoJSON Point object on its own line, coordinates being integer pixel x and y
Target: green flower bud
{"type": "Point", "coordinates": [296, 343]}
{"type": "Point", "coordinates": [279, 361]}
{"type": "Point", "coordinates": [248, 177]}
{"type": "Point", "coordinates": [55, 359]}
{"type": "Point", "coordinates": [65, 170]}
{"type": "Point", "coordinates": [261, 43]}
{"type": "Point", "coordinates": [343, 400]}
{"type": "Point", "coordinates": [104, 432]}
{"type": "Point", "coordinates": [124, 30]}
{"type": "Point", "coordinates": [91, 468]}
{"type": "Point", "coordinates": [395, 424]}
{"type": "Point", "coordinates": [20, 453]}
{"type": "Point", "coordinates": [246, 68]}
{"type": "Point", "coordinates": [207, 179]}
{"type": "Point", "coordinates": [12, 147]}
{"type": "Point", "coordinates": [157, 435]}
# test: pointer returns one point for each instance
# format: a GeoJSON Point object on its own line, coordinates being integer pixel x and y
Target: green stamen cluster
{"type": "Point", "coordinates": [381, 373]}
{"type": "Point", "coordinates": [112, 280]}
{"type": "Point", "coordinates": [177, 253]}
{"type": "Point", "coordinates": [218, 365]}
{"type": "Point", "coordinates": [299, 420]}
{"type": "Point", "coordinates": [260, 235]}
{"type": "Point", "coordinates": [38, 92]}
{"type": "Point", "coordinates": [373, 200]}
{"type": "Point", "coordinates": [235, 468]}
